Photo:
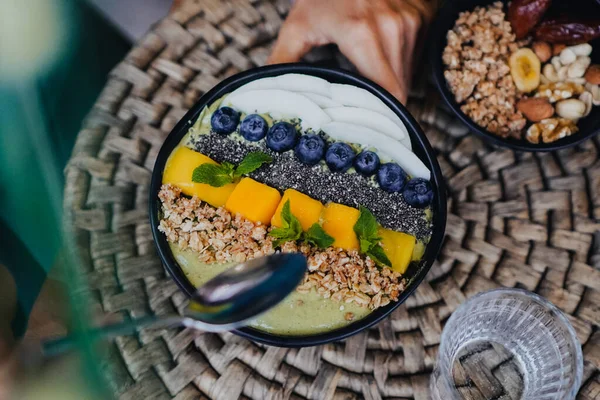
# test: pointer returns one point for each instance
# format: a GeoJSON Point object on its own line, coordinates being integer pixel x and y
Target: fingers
{"type": "Point", "coordinates": [363, 46]}
{"type": "Point", "coordinates": [292, 43]}
{"type": "Point", "coordinates": [392, 33]}
{"type": "Point", "coordinates": [411, 22]}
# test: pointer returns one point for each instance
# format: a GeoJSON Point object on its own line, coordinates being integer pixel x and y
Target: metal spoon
{"type": "Point", "coordinates": [224, 303]}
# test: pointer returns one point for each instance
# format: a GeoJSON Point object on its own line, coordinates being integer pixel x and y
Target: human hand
{"type": "Point", "coordinates": [378, 36]}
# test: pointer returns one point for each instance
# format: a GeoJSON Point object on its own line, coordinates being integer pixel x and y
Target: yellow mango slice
{"type": "Point", "coordinates": [178, 172]}
{"type": "Point", "coordinates": [254, 201]}
{"type": "Point", "coordinates": [398, 247]}
{"type": "Point", "coordinates": [338, 222]}
{"type": "Point", "coordinates": [305, 208]}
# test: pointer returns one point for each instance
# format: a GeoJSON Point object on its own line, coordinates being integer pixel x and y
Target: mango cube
{"type": "Point", "coordinates": [305, 208]}
{"type": "Point", "coordinates": [398, 247]}
{"type": "Point", "coordinates": [338, 222]}
{"type": "Point", "coordinates": [254, 201]}
{"type": "Point", "coordinates": [178, 172]}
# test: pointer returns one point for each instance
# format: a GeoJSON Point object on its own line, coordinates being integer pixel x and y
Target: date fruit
{"type": "Point", "coordinates": [524, 15]}
{"type": "Point", "coordinates": [567, 31]}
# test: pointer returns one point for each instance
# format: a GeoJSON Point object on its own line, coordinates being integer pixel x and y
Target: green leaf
{"type": "Point", "coordinates": [213, 175]}
{"type": "Point", "coordinates": [291, 229]}
{"type": "Point", "coordinates": [365, 245]}
{"type": "Point", "coordinates": [282, 233]}
{"type": "Point", "coordinates": [228, 168]}
{"type": "Point", "coordinates": [378, 255]}
{"type": "Point", "coordinates": [286, 214]}
{"type": "Point", "coordinates": [252, 162]}
{"type": "Point", "coordinates": [318, 237]}
{"type": "Point", "coordinates": [366, 225]}
{"type": "Point", "coordinates": [366, 229]}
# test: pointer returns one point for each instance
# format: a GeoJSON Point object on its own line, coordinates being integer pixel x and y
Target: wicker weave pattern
{"type": "Point", "coordinates": [518, 220]}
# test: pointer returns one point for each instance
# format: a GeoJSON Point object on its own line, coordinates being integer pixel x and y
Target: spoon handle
{"type": "Point", "coordinates": [61, 345]}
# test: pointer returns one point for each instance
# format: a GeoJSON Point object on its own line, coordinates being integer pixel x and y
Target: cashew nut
{"type": "Point", "coordinates": [583, 49]}
{"type": "Point", "coordinates": [550, 72]}
{"type": "Point", "coordinates": [556, 62]}
{"type": "Point", "coordinates": [579, 81]}
{"type": "Point", "coordinates": [586, 97]}
{"type": "Point", "coordinates": [572, 109]}
{"type": "Point", "coordinates": [562, 73]}
{"type": "Point", "coordinates": [577, 69]}
{"type": "Point", "coordinates": [595, 91]}
{"type": "Point", "coordinates": [567, 56]}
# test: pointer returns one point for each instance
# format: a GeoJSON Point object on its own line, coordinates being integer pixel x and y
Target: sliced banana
{"type": "Point", "coordinates": [353, 96]}
{"type": "Point", "coordinates": [280, 104]}
{"type": "Point", "coordinates": [291, 82]}
{"type": "Point", "coordinates": [370, 119]}
{"type": "Point", "coordinates": [525, 69]}
{"type": "Point", "coordinates": [320, 100]}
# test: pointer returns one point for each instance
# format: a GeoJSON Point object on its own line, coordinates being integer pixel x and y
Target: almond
{"type": "Point", "coordinates": [535, 109]}
{"type": "Point", "coordinates": [558, 48]}
{"type": "Point", "coordinates": [542, 50]}
{"type": "Point", "coordinates": [592, 75]}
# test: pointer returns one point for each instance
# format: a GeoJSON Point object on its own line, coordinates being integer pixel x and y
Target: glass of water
{"type": "Point", "coordinates": [508, 343]}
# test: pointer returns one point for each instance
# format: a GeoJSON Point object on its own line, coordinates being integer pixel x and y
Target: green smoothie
{"type": "Point", "coordinates": [298, 314]}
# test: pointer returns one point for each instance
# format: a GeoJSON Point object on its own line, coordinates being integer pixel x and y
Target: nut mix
{"type": "Point", "coordinates": [514, 86]}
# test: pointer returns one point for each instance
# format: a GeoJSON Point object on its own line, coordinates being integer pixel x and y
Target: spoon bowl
{"type": "Point", "coordinates": [247, 290]}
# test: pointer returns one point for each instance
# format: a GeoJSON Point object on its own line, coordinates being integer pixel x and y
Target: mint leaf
{"type": "Point", "coordinates": [286, 214]}
{"type": "Point", "coordinates": [220, 175]}
{"type": "Point", "coordinates": [317, 236]}
{"type": "Point", "coordinates": [291, 229]}
{"type": "Point", "coordinates": [366, 225]}
{"type": "Point", "coordinates": [366, 231]}
{"type": "Point", "coordinates": [365, 245]}
{"type": "Point", "coordinates": [378, 255]}
{"type": "Point", "coordinates": [228, 168]}
{"type": "Point", "coordinates": [213, 175]}
{"type": "Point", "coordinates": [252, 162]}
{"type": "Point", "coordinates": [283, 235]}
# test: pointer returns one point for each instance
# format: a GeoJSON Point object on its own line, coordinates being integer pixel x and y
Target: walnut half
{"type": "Point", "coordinates": [550, 130]}
{"type": "Point", "coordinates": [556, 91]}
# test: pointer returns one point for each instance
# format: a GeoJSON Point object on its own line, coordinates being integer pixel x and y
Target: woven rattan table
{"type": "Point", "coordinates": [518, 220]}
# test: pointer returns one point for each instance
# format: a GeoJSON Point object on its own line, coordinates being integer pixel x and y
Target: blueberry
{"type": "Point", "coordinates": [310, 149]}
{"type": "Point", "coordinates": [418, 193]}
{"type": "Point", "coordinates": [254, 127]}
{"type": "Point", "coordinates": [282, 137]}
{"type": "Point", "coordinates": [224, 120]}
{"type": "Point", "coordinates": [339, 157]}
{"type": "Point", "coordinates": [391, 177]}
{"type": "Point", "coordinates": [366, 163]}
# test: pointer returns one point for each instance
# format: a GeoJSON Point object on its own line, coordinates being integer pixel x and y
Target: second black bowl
{"type": "Point", "coordinates": [446, 17]}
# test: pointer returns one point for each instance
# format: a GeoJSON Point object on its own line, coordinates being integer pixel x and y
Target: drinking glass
{"type": "Point", "coordinates": [533, 331]}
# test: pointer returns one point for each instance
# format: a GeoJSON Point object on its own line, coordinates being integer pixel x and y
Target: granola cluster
{"type": "Point", "coordinates": [212, 233]}
{"type": "Point", "coordinates": [345, 276]}
{"type": "Point", "coordinates": [477, 70]}
{"type": "Point", "coordinates": [217, 236]}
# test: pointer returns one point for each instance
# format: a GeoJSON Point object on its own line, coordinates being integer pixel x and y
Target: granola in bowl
{"type": "Point", "coordinates": [508, 77]}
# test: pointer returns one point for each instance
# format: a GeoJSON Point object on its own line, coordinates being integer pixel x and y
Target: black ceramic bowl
{"type": "Point", "coordinates": [420, 146]}
{"type": "Point", "coordinates": [446, 17]}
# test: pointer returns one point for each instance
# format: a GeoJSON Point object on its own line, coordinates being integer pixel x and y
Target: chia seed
{"type": "Point", "coordinates": [351, 189]}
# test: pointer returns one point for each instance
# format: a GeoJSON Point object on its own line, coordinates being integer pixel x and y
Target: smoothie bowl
{"type": "Point", "coordinates": [298, 158]}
